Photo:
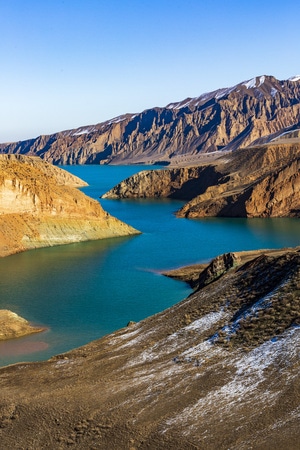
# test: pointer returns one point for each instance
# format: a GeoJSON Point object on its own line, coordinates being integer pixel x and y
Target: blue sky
{"type": "Point", "coordinates": [78, 62]}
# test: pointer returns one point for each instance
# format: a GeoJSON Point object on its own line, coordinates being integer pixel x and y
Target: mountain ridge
{"type": "Point", "coordinates": [221, 120]}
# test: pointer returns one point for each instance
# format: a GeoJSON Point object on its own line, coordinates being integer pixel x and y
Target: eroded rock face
{"type": "Point", "coordinates": [225, 119]}
{"type": "Point", "coordinates": [40, 207]}
{"type": "Point", "coordinates": [261, 181]}
{"type": "Point", "coordinates": [271, 191]}
{"type": "Point", "coordinates": [183, 183]}
{"type": "Point", "coordinates": [218, 266]}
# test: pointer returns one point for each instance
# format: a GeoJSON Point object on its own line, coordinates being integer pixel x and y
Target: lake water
{"type": "Point", "coordinates": [81, 292]}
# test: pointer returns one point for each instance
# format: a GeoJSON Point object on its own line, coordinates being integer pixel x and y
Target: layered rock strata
{"type": "Point", "coordinates": [261, 181]}
{"type": "Point", "coordinates": [39, 207]}
{"type": "Point", "coordinates": [222, 120]}
{"type": "Point", "coordinates": [218, 370]}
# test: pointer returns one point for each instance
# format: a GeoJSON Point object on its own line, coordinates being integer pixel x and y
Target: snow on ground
{"type": "Point", "coordinates": [250, 84]}
{"type": "Point", "coordinates": [273, 92]}
{"type": "Point", "coordinates": [116, 120]}
{"type": "Point", "coordinates": [295, 78]}
{"type": "Point", "coordinates": [176, 342]}
{"type": "Point", "coordinates": [206, 322]}
{"type": "Point", "coordinates": [245, 385]}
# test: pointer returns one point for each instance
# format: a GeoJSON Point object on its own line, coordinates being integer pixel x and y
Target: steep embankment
{"type": "Point", "coordinates": [40, 207]}
{"type": "Point", "coordinates": [225, 119]}
{"type": "Point", "coordinates": [261, 181]}
{"type": "Point", "coordinates": [218, 370]}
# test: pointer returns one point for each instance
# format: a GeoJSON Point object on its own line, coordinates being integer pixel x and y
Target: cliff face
{"type": "Point", "coordinates": [270, 188]}
{"type": "Point", "coordinates": [225, 119]}
{"type": "Point", "coordinates": [261, 181]}
{"type": "Point", "coordinates": [39, 206]}
{"type": "Point", "coordinates": [182, 183]}
{"type": "Point", "coordinates": [218, 370]}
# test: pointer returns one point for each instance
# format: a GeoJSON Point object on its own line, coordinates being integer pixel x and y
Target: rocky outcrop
{"type": "Point", "coordinates": [40, 207]}
{"type": "Point", "coordinates": [183, 183]}
{"type": "Point", "coordinates": [13, 326]}
{"type": "Point", "coordinates": [218, 370]}
{"type": "Point", "coordinates": [218, 266]}
{"type": "Point", "coordinates": [261, 181]}
{"type": "Point", "coordinates": [225, 120]}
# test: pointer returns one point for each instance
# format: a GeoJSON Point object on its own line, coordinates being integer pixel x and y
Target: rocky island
{"type": "Point", "coordinates": [41, 206]}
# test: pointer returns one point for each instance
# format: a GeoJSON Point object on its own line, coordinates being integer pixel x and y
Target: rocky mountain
{"type": "Point", "coordinates": [225, 119]}
{"type": "Point", "coordinates": [260, 181]}
{"type": "Point", "coordinates": [218, 370]}
{"type": "Point", "coordinates": [40, 206]}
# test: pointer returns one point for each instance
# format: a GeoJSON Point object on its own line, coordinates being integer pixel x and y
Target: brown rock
{"type": "Point", "coordinates": [218, 266]}
{"type": "Point", "coordinates": [13, 326]}
{"type": "Point", "coordinates": [261, 181]}
{"type": "Point", "coordinates": [40, 207]}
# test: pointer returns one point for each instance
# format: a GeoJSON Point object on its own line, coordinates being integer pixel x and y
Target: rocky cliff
{"type": "Point", "coordinates": [218, 370]}
{"type": "Point", "coordinates": [225, 119]}
{"type": "Point", "coordinates": [39, 206]}
{"type": "Point", "coordinates": [261, 181]}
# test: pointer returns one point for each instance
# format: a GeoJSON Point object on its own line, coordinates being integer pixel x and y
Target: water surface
{"type": "Point", "coordinates": [82, 291]}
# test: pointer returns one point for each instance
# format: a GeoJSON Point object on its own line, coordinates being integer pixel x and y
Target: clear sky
{"type": "Point", "coordinates": [67, 63]}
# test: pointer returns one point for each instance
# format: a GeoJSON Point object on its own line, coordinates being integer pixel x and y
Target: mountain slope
{"type": "Point", "coordinates": [218, 370]}
{"type": "Point", "coordinates": [221, 120]}
{"type": "Point", "coordinates": [40, 207]}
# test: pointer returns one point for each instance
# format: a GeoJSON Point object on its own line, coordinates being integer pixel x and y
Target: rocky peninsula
{"type": "Point", "coordinates": [257, 181]}
{"type": "Point", "coordinates": [41, 206]}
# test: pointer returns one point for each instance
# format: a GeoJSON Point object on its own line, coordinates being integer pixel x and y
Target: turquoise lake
{"type": "Point", "coordinates": [81, 292]}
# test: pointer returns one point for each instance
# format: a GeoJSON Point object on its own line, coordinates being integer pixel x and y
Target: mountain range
{"type": "Point", "coordinates": [223, 120]}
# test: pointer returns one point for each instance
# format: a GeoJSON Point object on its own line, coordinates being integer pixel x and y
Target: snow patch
{"type": "Point", "coordinates": [245, 384]}
{"type": "Point", "coordinates": [206, 322]}
{"type": "Point", "coordinates": [250, 84]}
{"type": "Point", "coordinates": [273, 92]}
{"type": "Point", "coordinates": [295, 78]}
{"type": "Point", "coordinates": [223, 92]}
